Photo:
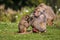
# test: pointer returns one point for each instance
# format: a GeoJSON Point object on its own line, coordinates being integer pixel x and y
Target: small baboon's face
{"type": "Point", "coordinates": [26, 17]}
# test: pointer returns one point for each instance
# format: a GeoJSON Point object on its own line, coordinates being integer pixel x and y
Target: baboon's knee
{"type": "Point", "coordinates": [22, 30]}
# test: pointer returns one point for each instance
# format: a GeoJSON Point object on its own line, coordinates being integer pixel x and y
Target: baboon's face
{"type": "Point", "coordinates": [38, 11]}
{"type": "Point", "coordinates": [26, 17]}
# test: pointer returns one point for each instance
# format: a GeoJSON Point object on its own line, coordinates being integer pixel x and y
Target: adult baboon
{"type": "Point", "coordinates": [39, 21]}
{"type": "Point", "coordinates": [23, 24]}
{"type": "Point", "coordinates": [49, 13]}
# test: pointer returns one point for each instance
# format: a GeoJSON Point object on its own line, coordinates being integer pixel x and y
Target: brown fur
{"type": "Point", "coordinates": [49, 13]}
{"type": "Point", "coordinates": [23, 24]}
{"type": "Point", "coordinates": [39, 21]}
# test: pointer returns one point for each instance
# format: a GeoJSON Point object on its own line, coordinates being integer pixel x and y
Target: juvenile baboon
{"type": "Point", "coordinates": [23, 24]}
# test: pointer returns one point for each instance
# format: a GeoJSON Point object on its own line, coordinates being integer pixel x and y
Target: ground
{"type": "Point", "coordinates": [8, 31]}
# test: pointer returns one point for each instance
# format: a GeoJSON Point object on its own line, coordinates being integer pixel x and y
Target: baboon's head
{"type": "Point", "coordinates": [26, 17]}
{"type": "Point", "coordinates": [43, 5]}
{"type": "Point", "coordinates": [38, 11]}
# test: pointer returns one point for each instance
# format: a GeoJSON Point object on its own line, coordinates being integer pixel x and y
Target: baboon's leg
{"type": "Point", "coordinates": [40, 28]}
{"type": "Point", "coordinates": [50, 22]}
{"type": "Point", "coordinates": [43, 26]}
{"type": "Point", "coordinates": [26, 24]}
{"type": "Point", "coordinates": [25, 30]}
{"type": "Point", "coordinates": [20, 28]}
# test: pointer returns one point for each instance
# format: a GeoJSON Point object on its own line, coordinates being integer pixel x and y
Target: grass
{"type": "Point", "coordinates": [8, 31]}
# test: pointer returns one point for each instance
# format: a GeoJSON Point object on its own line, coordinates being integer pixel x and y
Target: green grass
{"type": "Point", "coordinates": [8, 31]}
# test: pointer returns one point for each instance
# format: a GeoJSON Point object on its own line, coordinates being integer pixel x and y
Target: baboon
{"type": "Point", "coordinates": [49, 13]}
{"type": "Point", "coordinates": [39, 21]}
{"type": "Point", "coordinates": [23, 24]}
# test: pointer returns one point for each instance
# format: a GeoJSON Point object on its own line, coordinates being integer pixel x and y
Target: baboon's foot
{"type": "Point", "coordinates": [34, 30]}
{"type": "Point", "coordinates": [43, 31]}
{"type": "Point", "coordinates": [23, 33]}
